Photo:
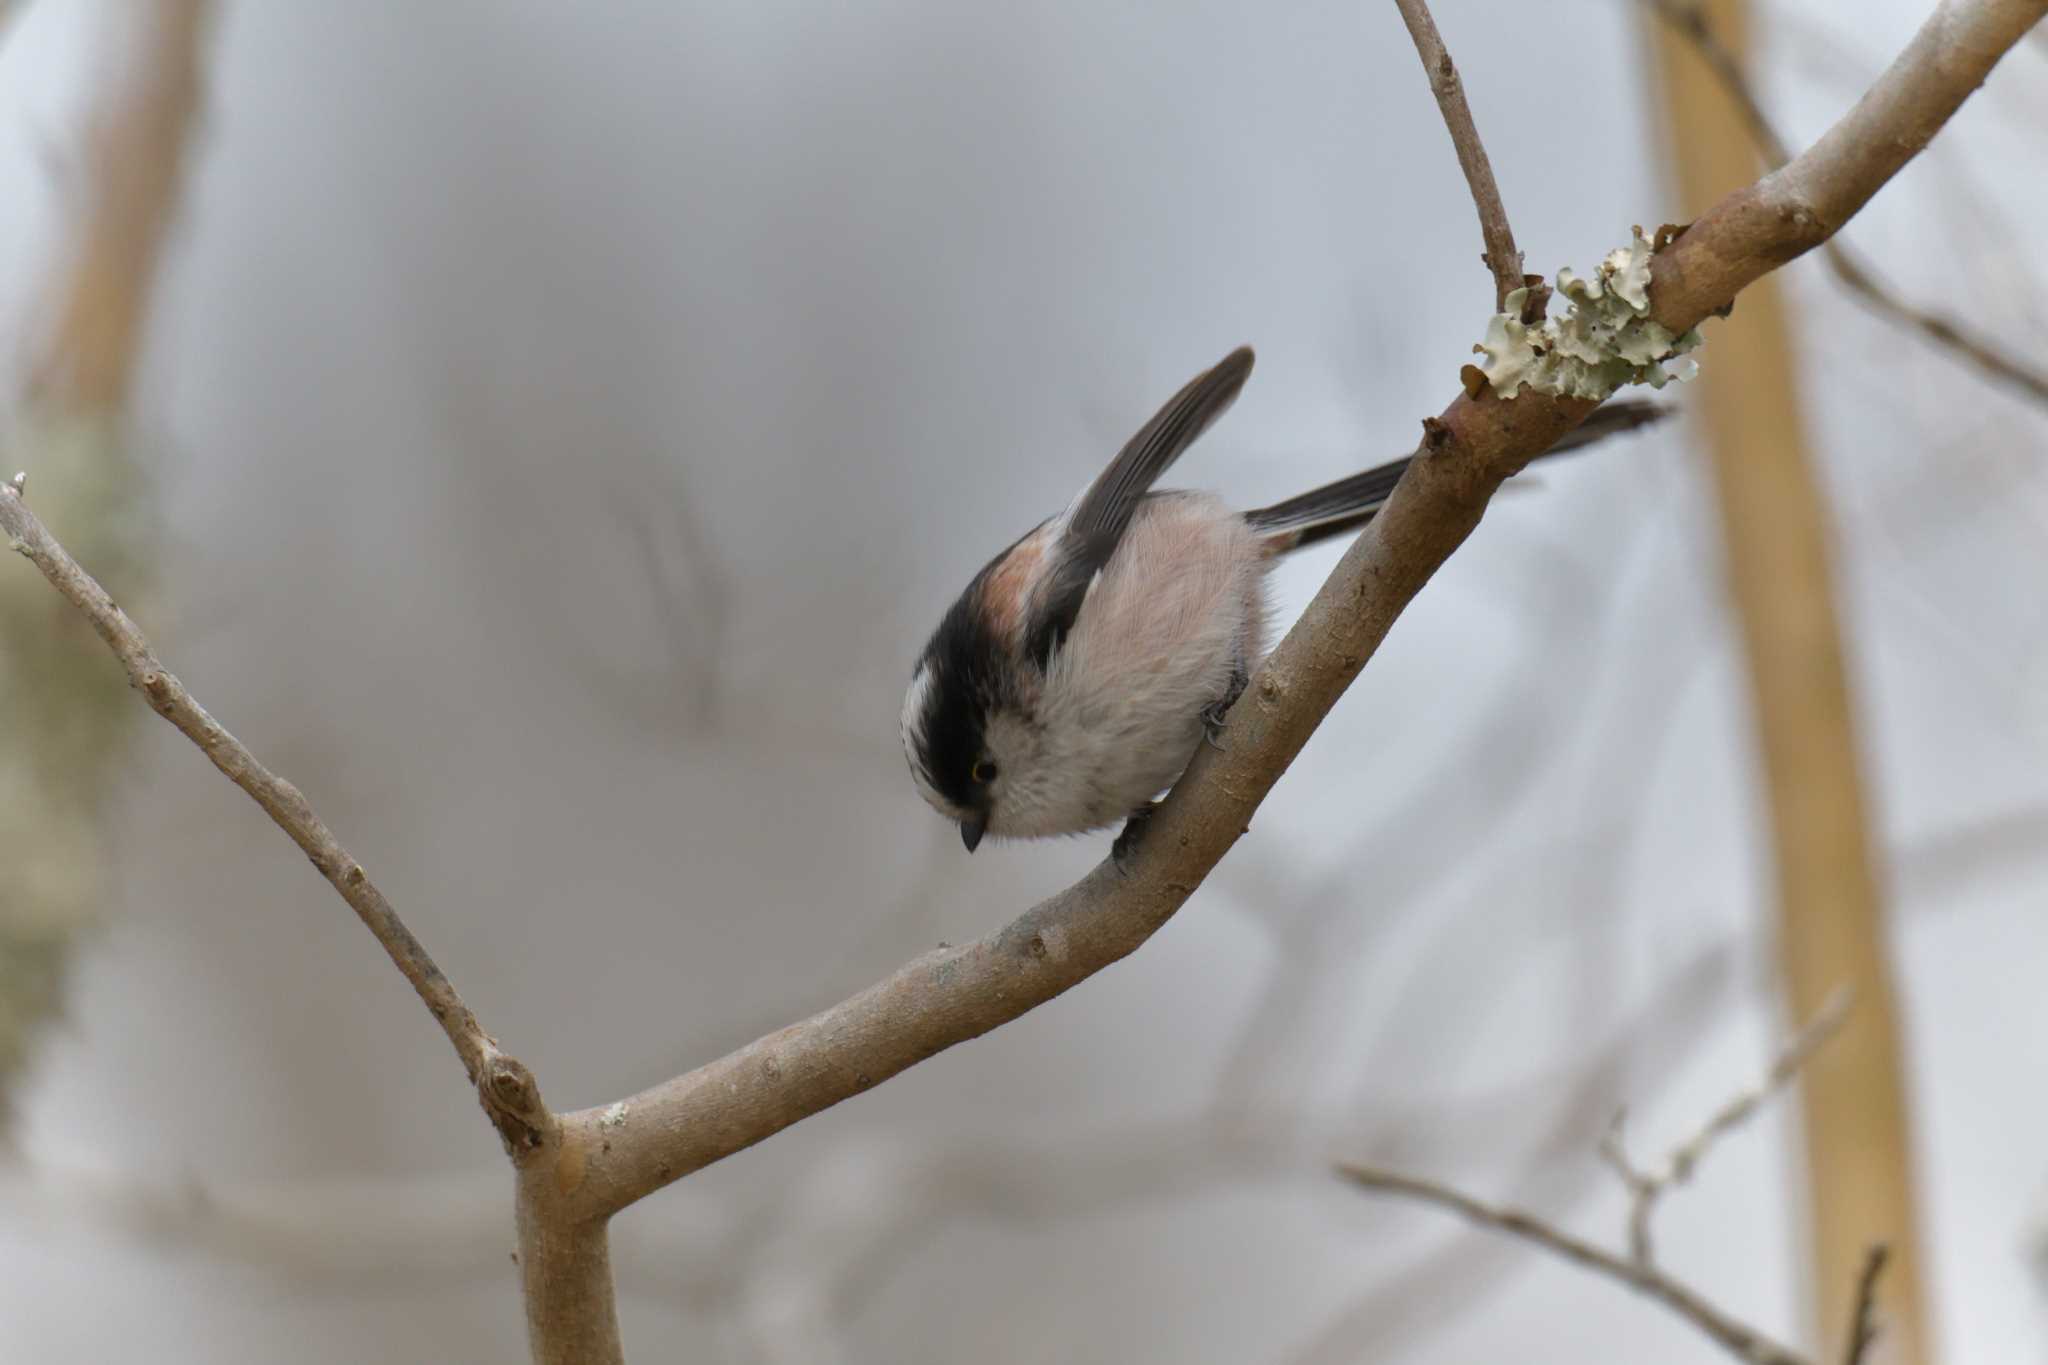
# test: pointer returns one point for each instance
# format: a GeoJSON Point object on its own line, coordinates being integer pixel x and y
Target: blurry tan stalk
{"type": "Point", "coordinates": [1831, 924]}
{"type": "Point", "coordinates": [67, 720]}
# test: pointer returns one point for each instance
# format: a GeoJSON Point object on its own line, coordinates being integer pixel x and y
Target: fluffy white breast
{"type": "Point", "coordinates": [1178, 608]}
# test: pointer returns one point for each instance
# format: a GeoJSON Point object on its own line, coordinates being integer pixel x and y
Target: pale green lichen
{"type": "Point", "coordinates": [1605, 339]}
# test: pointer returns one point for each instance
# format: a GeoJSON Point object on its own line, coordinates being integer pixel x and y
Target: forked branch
{"type": "Point", "coordinates": [1638, 1270]}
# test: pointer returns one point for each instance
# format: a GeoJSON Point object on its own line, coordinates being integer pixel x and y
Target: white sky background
{"type": "Point", "coordinates": [568, 426]}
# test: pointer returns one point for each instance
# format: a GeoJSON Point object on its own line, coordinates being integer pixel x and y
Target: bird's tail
{"type": "Point", "coordinates": [1350, 503]}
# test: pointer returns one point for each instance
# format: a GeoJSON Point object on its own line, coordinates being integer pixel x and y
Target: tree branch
{"type": "Point", "coordinates": [1803, 203]}
{"type": "Point", "coordinates": [1863, 1317]}
{"type": "Point", "coordinates": [1638, 1270]}
{"type": "Point", "coordinates": [1689, 19]}
{"type": "Point", "coordinates": [1646, 1187]}
{"type": "Point", "coordinates": [1502, 257]}
{"type": "Point", "coordinates": [512, 1103]}
{"type": "Point", "coordinates": [1738, 1338]}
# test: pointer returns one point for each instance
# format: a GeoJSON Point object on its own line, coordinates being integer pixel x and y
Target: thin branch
{"type": "Point", "coordinates": [1737, 1337]}
{"type": "Point", "coordinates": [1689, 19]}
{"type": "Point", "coordinates": [502, 1082]}
{"type": "Point", "coordinates": [1502, 257]}
{"type": "Point", "coordinates": [1639, 1269]}
{"type": "Point", "coordinates": [1857, 276]}
{"type": "Point", "coordinates": [1863, 1318]}
{"type": "Point", "coordinates": [1646, 1187]}
{"type": "Point", "coordinates": [572, 1314]}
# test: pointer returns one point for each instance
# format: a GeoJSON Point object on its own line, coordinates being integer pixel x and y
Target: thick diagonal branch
{"type": "Point", "coordinates": [1689, 19]}
{"type": "Point", "coordinates": [619, 1154]}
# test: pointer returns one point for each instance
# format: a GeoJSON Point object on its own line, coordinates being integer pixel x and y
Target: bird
{"type": "Point", "coordinates": [1074, 678]}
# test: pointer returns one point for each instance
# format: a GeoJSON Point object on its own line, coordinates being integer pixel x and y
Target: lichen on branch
{"type": "Point", "coordinates": [1605, 340]}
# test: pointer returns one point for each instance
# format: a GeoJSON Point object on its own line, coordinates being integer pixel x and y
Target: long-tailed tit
{"type": "Point", "coordinates": [1072, 680]}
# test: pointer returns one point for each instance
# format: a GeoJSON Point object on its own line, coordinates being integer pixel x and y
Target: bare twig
{"type": "Point", "coordinates": [1689, 18]}
{"type": "Point", "coordinates": [1737, 1337]}
{"type": "Point", "coordinates": [1863, 1329]}
{"type": "Point", "coordinates": [1639, 1269]}
{"type": "Point", "coordinates": [495, 1075]}
{"type": "Point", "coordinates": [1986, 354]}
{"type": "Point", "coordinates": [1646, 1187]}
{"type": "Point", "coordinates": [1503, 258]}
{"type": "Point", "coordinates": [571, 1311]}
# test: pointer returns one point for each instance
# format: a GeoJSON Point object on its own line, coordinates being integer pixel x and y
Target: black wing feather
{"type": "Point", "coordinates": [1351, 502]}
{"type": "Point", "coordinates": [1102, 515]}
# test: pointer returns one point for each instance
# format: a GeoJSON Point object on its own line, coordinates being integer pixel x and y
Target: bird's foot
{"type": "Point", "coordinates": [1216, 712]}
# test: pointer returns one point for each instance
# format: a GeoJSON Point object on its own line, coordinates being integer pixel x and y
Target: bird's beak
{"type": "Point", "coordinates": [971, 830]}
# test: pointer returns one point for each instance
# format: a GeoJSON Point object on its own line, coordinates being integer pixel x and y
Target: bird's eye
{"type": "Point", "coordinates": [983, 772]}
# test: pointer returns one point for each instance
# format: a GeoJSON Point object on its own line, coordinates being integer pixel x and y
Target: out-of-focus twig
{"type": "Point", "coordinates": [1689, 18]}
{"type": "Point", "coordinates": [1638, 1270]}
{"type": "Point", "coordinates": [1645, 1187]}
{"type": "Point", "coordinates": [1863, 1321]}
{"type": "Point", "coordinates": [1945, 332]}
{"type": "Point", "coordinates": [1503, 258]}
{"type": "Point", "coordinates": [1737, 1337]}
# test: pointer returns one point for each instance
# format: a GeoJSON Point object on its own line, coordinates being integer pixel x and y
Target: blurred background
{"type": "Point", "coordinates": [546, 435]}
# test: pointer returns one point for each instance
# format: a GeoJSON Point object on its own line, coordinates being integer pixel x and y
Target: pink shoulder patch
{"type": "Point", "coordinates": [1005, 590]}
